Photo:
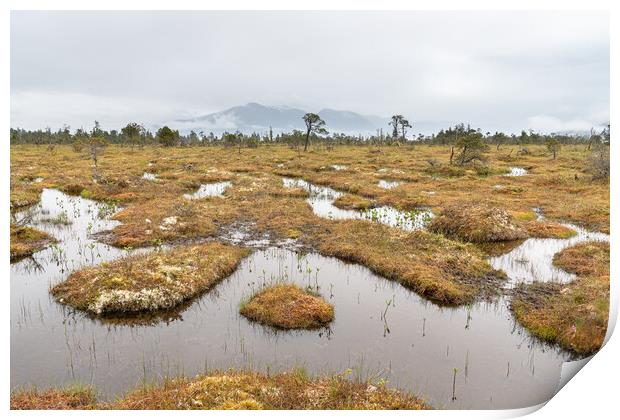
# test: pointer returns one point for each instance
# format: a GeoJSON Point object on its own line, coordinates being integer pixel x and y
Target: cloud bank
{"type": "Point", "coordinates": [509, 71]}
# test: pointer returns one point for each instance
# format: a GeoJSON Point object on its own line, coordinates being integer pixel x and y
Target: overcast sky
{"type": "Point", "coordinates": [548, 71]}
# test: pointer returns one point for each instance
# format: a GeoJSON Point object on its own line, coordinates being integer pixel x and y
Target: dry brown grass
{"type": "Point", "coordinates": [71, 398]}
{"type": "Point", "coordinates": [144, 224]}
{"type": "Point", "coordinates": [152, 282]}
{"type": "Point", "coordinates": [285, 391]}
{"type": "Point", "coordinates": [562, 187]}
{"type": "Point", "coordinates": [24, 195]}
{"type": "Point", "coordinates": [234, 391]}
{"type": "Point", "coordinates": [573, 315]}
{"type": "Point", "coordinates": [288, 306]}
{"type": "Point", "coordinates": [352, 202]}
{"type": "Point", "coordinates": [257, 199]}
{"type": "Point", "coordinates": [477, 223]}
{"type": "Point", "coordinates": [438, 268]}
{"type": "Point", "coordinates": [26, 240]}
{"type": "Point", "coordinates": [548, 229]}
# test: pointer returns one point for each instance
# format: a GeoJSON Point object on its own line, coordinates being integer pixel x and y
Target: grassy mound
{"type": "Point", "coordinates": [152, 282]}
{"type": "Point", "coordinates": [352, 202]}
{"type": "Point", "coordinates": [288, 306]}
{"type": "Point", "coordinates": [477, 223]}
{"type": "Point", "coordinates": [438, 268]}
{"type": "Point", "coordinates": [23, 195]}
{"type": "Point", "coordinates": [548, 229]}
{"type": "Point", "coordinates": [573, 315]}
{"type": "Point", "coordinates": [236, 391]}
{"type": "Point", "coordinates": [26, 241]}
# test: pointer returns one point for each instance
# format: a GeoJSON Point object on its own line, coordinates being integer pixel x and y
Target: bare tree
{"type": "Point", "coordinates": [95, 147]}
{"type": "Point", "coordinates": [599, 161]}
{"type": "Point", "coordinates": [95, 144]}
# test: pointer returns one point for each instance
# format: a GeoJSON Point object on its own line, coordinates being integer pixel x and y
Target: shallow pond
{"type": "Point", "coordinates": [215, 189]}
{"type": "Point", "coordinates": [515, 171]}
{"type": "Point", "coordinates": [533, 259]}
{"type": "Point", "coordinates": [149, 176]}
{"type": "Point", "coordinates": [322, 198]}
{"type": "Point", "coordinates": [388, 185]}
{"type": "Point", "coordinates": [416, 346]}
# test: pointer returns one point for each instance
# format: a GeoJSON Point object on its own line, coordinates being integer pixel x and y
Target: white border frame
{"type": "Point", "coordinates": [591, 395]}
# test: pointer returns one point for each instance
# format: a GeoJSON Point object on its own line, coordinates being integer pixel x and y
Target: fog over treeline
{"type": "Point", "coordinates": [136, 135]}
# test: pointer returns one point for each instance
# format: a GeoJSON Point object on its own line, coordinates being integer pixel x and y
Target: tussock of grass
{"type": "Point", "coordinates": [477, 223]}
{"type": "Point", "coordinates": [286, 391]}
{"type": "Point", "coordinates": [548, 229]}
{"type": "Point", "coordinates": [234, 391]}
{"type": "Point", "coordinates": [24, 195]}
{"type": "Point", "coordinates": [70, 398]}
{"type": "Point", "coordinates": [73, 189]}
{"type": "Point", "coordinates": [152, 282]}
{"type": "Point", "coordinates": [445, 170]}
{"type": "Point", "coordinates": [169, 219]}
{"type": "Point", "coordinates": [438, 268]}
{"type": "Point", "coordinates": [352, 202]}
{"type": "Point", "coordinates": [26, 240]}
{"type": "Point", "coordinates": [287, 306]}
{"type": "Point", "coordinates": [574, 315]}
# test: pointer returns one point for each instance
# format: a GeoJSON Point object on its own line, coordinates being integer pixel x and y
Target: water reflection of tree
{"type": "Point", "coordinates": [30, 265]}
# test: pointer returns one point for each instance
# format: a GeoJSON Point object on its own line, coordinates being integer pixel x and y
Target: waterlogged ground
{"type": "Point", "coordinates": [516, 171]}
{"type": "Point", "coordinates": [215, 189]}
{"type": "Point", "coordinates": [416, 345]}
{"type": "Point", "coordinates": [533, 259]}
{"type": "Point", "coordinates": [322, 198]}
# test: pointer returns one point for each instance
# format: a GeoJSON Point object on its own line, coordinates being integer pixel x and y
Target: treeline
{"type": "Point", "coordinates": [134, 134]}
{"type": "Point", "coordinates": [452, 134]}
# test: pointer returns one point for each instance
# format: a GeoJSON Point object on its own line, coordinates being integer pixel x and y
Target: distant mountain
{"type": "Point", "coordinates": [254, 117]}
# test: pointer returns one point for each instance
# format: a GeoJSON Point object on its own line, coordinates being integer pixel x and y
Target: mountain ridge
{"type": "Point", "coordinates": [253, 117]}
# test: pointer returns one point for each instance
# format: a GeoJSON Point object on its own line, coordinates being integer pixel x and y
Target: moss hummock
{"type": "Point", "coordinates": [477, 223]}
{"type": "Point", "coordinates": [288, 306]}
{"type": "Point", "coordinates": [152, 282]}
{"type": "Point", "coordinates": [236, 391]}
{"type": "Point", "coordinates": [26, 240]}
{"type": "Point", "coordinates": [548, 229]}
{"type": "Point", "coordinates": [352, 202]}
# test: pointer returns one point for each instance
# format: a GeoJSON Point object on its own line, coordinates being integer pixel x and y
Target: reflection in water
{"type": "Point", "coordinates": [533, 259]}
{"type": "Point", "coordinates": [381, 329]}
{"type": "Point", "coordinates": [215, 189]}
{"type": "Point", "coordinates": [322, 201]}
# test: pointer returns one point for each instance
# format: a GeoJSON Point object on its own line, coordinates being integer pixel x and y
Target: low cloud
{"type": "Point", "coordinates": [550, 124]}
{"type": "Point", "coordinates": [509, 71]}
